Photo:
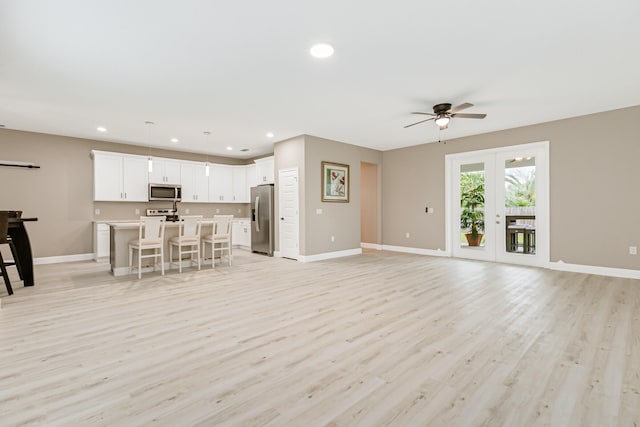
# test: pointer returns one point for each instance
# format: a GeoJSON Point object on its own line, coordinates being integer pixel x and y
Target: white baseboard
{"type": "Point", "coordinates": [330, 255]}
{"type": "Point", "coordinates": [592, 269]}
{"type": "Point", "coordinates": [417, 251]}
{"type": "Point", "coordinates": [371, 246]}
{"type": "Point", "coordinates": [63, 258]}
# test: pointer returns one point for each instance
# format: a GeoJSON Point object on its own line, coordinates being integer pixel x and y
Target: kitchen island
{"type": "Point", "coordinates": [121, 233]}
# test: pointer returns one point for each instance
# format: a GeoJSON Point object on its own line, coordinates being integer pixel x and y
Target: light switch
{"type": "Point", "coordinates": [97, 211]}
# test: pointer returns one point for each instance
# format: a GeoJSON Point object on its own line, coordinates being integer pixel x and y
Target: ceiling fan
{"type": "Point", "coordinates": [442, 113]}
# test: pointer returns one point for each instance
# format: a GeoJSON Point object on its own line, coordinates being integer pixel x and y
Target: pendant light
{"type": "Point", "coordinates": [149, 160]}
{"type": "Point", "coordinates": [206, 165]}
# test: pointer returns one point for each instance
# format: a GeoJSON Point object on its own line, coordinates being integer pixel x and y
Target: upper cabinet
{"type": "Point", "coordinates": [252, 179]}
{"type": "Point", "coordinates": [164, 171]}
{"type": "Point", "coordinates": [126, 177]}
{"type": "Point", "coordinates": [265, 170]}
{"type": "Point", "coordinates": [119, 177]}
{"type": "Point", "coordinates": [221, 183]}
{"type": "Point", "coordinates": [195, 183]}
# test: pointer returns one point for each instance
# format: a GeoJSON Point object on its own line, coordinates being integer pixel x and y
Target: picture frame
{"type": "Point", "coordinates": [335, 182]}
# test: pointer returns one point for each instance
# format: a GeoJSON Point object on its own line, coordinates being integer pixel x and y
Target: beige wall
{"type": "Point", "coordinates": [341, 220]}
{"type": "Point", "coordinates": [60, 193]}
{"type": "Point", "coordinates": [594, 178]}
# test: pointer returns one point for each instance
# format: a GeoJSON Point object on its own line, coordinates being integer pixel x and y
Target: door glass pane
{"type": "Point", "coordinates": [472, 196]}
{"type": "Point", "coordinates": [520, 205]}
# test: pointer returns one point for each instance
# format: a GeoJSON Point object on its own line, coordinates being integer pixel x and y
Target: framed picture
{"type": "Point", "coordinates": [335, 182]}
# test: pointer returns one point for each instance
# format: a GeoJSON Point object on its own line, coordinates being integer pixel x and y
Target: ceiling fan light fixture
{"type": "Point", "coordinates": [442, 120]}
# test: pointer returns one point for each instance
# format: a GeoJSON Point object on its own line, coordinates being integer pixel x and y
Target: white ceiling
{"type": "Point", "coordinates": [241, 68]}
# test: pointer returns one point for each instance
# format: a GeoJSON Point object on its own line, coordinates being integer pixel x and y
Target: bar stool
{"type": "Point", "coordinates": [150, 236]}
{"type": "Point", "coordinates": [14, 253]}
{"type": "Point", "coordinates": [4, 239]}
{"type": "Point", "coordinates": [221, 236]}
{"type": "Point", "coordinates": [189, 238]}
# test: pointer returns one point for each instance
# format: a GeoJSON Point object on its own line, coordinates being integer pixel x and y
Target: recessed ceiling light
{"type": "Point", "coordinates": [229, 148]}
{"type": "Point", "coordinates": [321, 50]}
{"type": "Point", "coordinates": [270, 135]}
{"type": "Point", "coordinates": [174, 140]}
{"type": "Point", "coordinates": [101, 129]}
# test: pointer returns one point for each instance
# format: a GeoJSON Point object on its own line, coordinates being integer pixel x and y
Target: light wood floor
{"type": "Point", "coordinates": [372, 340]}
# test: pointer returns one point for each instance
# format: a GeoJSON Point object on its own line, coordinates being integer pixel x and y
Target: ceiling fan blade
{"type": "Point", "coordinates": [417, 123]}
{"type": "Point", "coordinates": [460, 108]}
{"type": "Point", "coordinates": [469, 116]}
{"type": "Point", "coordinates": [426, 114]}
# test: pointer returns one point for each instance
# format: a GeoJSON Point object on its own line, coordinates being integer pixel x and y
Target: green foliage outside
{"type": "Point", "coordinates": [520, 187]}
{"type": "Point", "coordinates": [472, 202]}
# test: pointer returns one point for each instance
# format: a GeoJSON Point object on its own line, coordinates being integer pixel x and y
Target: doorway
{"type": "Point", "coordinates": [498, 204]}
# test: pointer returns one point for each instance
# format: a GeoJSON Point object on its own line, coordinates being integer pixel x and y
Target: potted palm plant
{"type": "Point", "coordinates": [472, 217]}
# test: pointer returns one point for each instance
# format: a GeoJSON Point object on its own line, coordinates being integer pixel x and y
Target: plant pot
{"type": "Point", "coordinates": [474, 241]}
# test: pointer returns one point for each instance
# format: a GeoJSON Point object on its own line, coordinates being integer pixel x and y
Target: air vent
{"type": "Point", "coordinates": [244, 149]}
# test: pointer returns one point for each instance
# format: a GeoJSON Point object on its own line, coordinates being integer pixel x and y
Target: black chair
{"type": "Point", "coordinates": [13, 214]}
{"type": "Point", "coordinates": [4, 229]}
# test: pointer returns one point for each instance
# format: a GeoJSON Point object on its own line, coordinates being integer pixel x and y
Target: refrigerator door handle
{"type": "Point", "coordinates": [257, 213]}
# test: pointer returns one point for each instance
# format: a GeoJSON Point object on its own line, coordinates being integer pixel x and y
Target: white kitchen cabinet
{"type": "Point", "coordinates": [165, 171]}
{"type": "Point", "coordinates": [119, 177]}
{"type": "Point", "coordinates": [195, 183]}
{"type": "Point", "coordinates": [252, 179]}
{"type": "Point", "coordinates": [241, 233]}
{"type": "Point", "coordinates": [101, 242]}
{"type": "Point", "coordinates": [240, 194]}
{"type": "Point", "coordinates": [221, 184]}
{"type": "Point", "coordinates": [265, 170]}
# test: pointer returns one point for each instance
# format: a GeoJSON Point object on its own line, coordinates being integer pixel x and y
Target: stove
{"type": "Point", "coordinates": [169, 214]}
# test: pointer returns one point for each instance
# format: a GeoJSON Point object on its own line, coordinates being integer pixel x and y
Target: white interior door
{"type": "Point", "coordinates": [513, 216]}
{"type": "Point", "coordinates": [288, 213]}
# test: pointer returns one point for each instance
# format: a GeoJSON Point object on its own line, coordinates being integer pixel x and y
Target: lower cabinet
{"type": "Point", "coordinates": [101, 242]}
{"type": "Point", "coordinates": [241, 233]}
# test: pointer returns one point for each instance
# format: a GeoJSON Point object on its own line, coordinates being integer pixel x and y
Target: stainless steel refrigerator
{"type": "Point", "coordinates": [262, 222]}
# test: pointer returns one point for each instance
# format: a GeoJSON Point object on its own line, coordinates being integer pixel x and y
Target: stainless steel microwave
{"type": "Point", "coordinates": [165, 192]}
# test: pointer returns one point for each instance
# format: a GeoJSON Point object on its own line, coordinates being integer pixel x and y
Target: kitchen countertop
{"type": "Point", "coordinates": [137, 220]}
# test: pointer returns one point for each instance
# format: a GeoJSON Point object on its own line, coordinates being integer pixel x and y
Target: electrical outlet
{"type": "Point", "coordinates": [429, 210]}
{"type": "Point", "coordinates": [333, 238]}
{"type": "Point", "coordinates": [633, 250]}
{"type": "Point", "coordinates": [239, 210]}
{"type": "Point", "coordinates": [186, 211]}
{"type": "Point", "coordinates": [319, 211]}
{"type": "Point", "coordinates": [217, 210]}
{"type": "Point", "coordinates": [97, 211]}
{"type": "Point", "coordinates": [407, 235]}
{"type": "Point", "coordinates": [137, 211]}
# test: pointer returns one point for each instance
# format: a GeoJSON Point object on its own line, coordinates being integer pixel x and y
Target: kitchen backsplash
{"type": "Point", "coordinates": [104, 211]}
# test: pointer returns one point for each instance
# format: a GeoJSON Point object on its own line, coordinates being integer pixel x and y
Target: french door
{"type": "Point", "coordinates": [498, 208]}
